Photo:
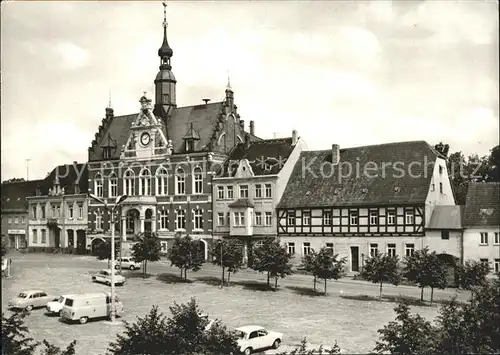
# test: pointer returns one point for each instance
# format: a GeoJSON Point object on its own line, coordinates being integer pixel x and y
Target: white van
{"type": "Point", "coordinates": [87, 306]}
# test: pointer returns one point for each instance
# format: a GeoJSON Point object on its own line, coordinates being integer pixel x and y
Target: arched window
{"type": "Point", "coordinates": [161, 181]}
{"type": "Point", "coordinates": [180, 219]}
{"type": "Point", "coordinates": [180, 182]}
{"type": "Point", "coordinates": [98, 185]}
{"type": "Point", "coordinates": [145, 182]}
{"type": "Point", "coordinates": [113, 186]}
{"type": "Point", "coordinates": [128, 183]}
{"type": "Point", "coordinates": [198, 180]}
{"type": "Point", "coordinates": [198, 219]}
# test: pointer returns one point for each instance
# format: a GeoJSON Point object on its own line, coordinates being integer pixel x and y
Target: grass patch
{"type": "Point", "coordinates": [253, 285]}
{"type": "Point", "coordinates": [172, 279]}
{"type": "Point", "coordinates": [412, 301]}
{"type": "Point", "coordinates": [305, 291]}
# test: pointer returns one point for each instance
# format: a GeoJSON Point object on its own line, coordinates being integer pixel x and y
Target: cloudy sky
{"type": "Point", "coordinates": [345, 72]}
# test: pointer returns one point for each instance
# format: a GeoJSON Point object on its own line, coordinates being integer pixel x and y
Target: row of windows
{"type": "Point", "coordinates": [43, 236]}
{"type": "Point", "coordinates": [260, 191]}
{"type": "Point", "coordinates": [180, 220]}
{"type": "Point", "coordinates": [353, 217]}
{"type": "Point", "coordinates": [145, 183]}
{"type": "Point", "coordinates": [16, 220]}
{"type": "Point", "coordinates": [484, 238]}
{"type": "Point", "coordinates": [496, 264]}
{"type": "Point", "coordinates": [55, 212]}
{"type": "Point", "coordinates": [265, 219]}
{"type": "Point", "coordinates": [374, 250]}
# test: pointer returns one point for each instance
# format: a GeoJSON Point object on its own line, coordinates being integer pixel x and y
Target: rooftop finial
{"type": "Point", "coordinates": [109, 102]}
{"type": "Point", "coordinates": [164, 14]}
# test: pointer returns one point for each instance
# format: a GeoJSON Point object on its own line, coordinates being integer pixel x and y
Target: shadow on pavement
{"type": "Point", "coordinates": [209, 280]}
{"type": "Point", "coordinates": [171, 278]}
{"type": "Point", "coordinates": [135, 275]}
{"type": "Point", "coordinates": [305, 291]}
{"type": "Point", "coordinates": [253, 285]}
{"type": "Point", "coordinates": [412, 301]}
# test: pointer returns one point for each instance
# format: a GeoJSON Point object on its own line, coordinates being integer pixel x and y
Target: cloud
{"type": "Point", "coordinates": [71, 55]}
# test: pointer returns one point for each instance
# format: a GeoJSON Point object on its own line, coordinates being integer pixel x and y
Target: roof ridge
{"type": "Point", "coordinates": [376, 145]}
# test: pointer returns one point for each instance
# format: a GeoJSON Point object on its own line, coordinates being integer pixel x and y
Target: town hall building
{"type": "Point", "coordinates": [163, 158]}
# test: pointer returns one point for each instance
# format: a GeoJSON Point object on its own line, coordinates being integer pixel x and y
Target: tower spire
{"type": "Point", "coordinates": [109, 102]}
{"type": "Point", "coordinates": [165, 52]}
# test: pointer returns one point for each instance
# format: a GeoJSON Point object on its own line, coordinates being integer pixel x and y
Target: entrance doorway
{"type": "Point", "coordinates": [57, 237]}
{"type": "Point", "coordinates": [355, 259]}
{"type": "Point", "coordinates": [81, 242]}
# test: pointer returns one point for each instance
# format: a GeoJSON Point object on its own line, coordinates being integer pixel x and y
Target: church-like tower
{"type": "Point", "coordinates": [165, 80]}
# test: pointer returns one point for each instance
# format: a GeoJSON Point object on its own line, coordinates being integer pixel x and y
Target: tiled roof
{"type": "Point", "coordinates": [482, 206]}
{"type": "Point", "coordinates": [201, 119]}
{"type": "Point", "coordinates": [242, 202]}
{"type": "Point", "coordinates": [384, 181]}
{"type": "Point", "coordinates": [446, 217]}
{"type": "Point", "coordinates": [14, 194]}
{"type": "Point", "coordinates": [68, 175]}
{"type": "Point", "coordinates": [266, 157]}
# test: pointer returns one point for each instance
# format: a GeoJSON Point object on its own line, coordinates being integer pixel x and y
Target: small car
{"type": "Point", "coordinates": [104, 276]}
{"type": "Point", "coordinates": [128, 263]}
{"type": "Point", "coordinates": [30, 299]}
{"type": "Point", "coordinates": [254, 337]}
{"type": "Point", "coordinates": [55, 307]}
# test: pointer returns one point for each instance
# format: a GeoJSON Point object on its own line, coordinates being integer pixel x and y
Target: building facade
{"type": "Point", "coordinates": [481, 239]}
{"type": "Point", "coordinates": [364, 200]}
{"type": "Point", "coordinates": [57, 218]}
{"type": "Point", "coordinates": [15, 211]}
{"type": "Point", "coordinates": [163, 159]}
{"type": "Point", "coordinates": [249, 186]}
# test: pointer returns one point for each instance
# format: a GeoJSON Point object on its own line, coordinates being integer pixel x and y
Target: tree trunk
{"type": "Point", "coordinates": [228, 277]}
{"type": "Point", "coordinates": [181, 272]}
{"type": "Point", "coordinates": [109, 260]}
{"type": "Point", "coordinates": [380, 291]}
{"type": "Point", "coordinates": [276, 283]}
{"type": "Point", "coordinates": [472, 297]}
{"type": "Point", "coordinates": [314, 284]}
{"type": "Point", "coordinates": [222, 279]}
{"type": "Point", "coordinates": [421, 294]}
{"type": "Point", "coordinates": [432, 294]}
{"type": "Point", "coordinates": [185, 274]}
{"type": "Point", "coordinates": [145, 267]}
{"type": "Point", "coordinates": [325, 287]}
{"type": "Point", "coordinates": [268, 278]}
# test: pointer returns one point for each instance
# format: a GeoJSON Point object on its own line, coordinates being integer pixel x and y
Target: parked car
{"type": "Point", "coordinates": [55, 307]}
{"type": "Point", "coordinates": [253, 337]}
{"type": "Point", "coordinates": [87, 306]}
{"type": "Point", "coordinates": [30, 299]}
{"type": "Point", "coordinates": [104, 276]}
{"type": "Point", "coordinates": [128, 263]}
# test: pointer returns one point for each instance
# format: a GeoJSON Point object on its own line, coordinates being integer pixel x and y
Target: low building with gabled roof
{"type": "Point", "coordinates": [364, 200]}
{"type": "Point", "coordinates": [248, 186]}
{"type": "Point", "coordinates": [15, 211]}
{"type": "Point", "coordinates": [482, 224]}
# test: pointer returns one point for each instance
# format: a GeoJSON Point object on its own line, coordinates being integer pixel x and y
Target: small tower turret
{"type": "Point", "coordinates": [165, 80]}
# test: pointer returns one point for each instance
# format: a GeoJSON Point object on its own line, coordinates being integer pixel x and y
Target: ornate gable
{"type": "Point", "coordinates": [146, 138]}
{"type": "Point", "coordinates": [244, 169]}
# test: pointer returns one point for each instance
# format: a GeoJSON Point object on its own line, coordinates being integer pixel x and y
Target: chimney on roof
{"type": "Point", "coordinates": [252, 128]}
{"type": "Point", "coordinates": [242, 125]}
{"type": "Point", "coordinates": [206, 101]}
{"type": "Point", "coordinates": [247, 140]}
{"type": "Point", "coordinates": [295, 137]}
{"type": "Point", "coordinates": [335, 154]}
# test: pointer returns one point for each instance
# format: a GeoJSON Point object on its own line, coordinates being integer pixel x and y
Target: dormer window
{"type": "Point", "coordinates": [106, 152]}
{"type": "Point", "coordinates": [189, 145]}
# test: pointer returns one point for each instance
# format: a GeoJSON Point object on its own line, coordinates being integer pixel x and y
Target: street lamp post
{"type": "Point", "coordinates": [119, 200]}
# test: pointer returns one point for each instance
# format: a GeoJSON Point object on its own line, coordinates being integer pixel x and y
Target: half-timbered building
{"type": "Point", "coordinates": [249, 186]}
{"type": "Point", "coordinates": [363, 200]}
{"type": "Point", "coordinates": [162, 158]}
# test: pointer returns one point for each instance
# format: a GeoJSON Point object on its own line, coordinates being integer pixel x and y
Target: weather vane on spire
{"type": "Point", "coordinates": [109, 102]}
{"type": "Point", "coordinates": [164, 14]}
{"type": "Point", "coordinates": [228, 81]}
